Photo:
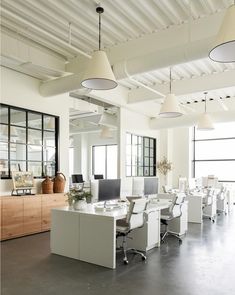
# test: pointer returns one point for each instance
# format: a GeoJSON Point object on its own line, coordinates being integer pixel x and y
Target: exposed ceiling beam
{"type": "Point", "coordinates": [186, 86]}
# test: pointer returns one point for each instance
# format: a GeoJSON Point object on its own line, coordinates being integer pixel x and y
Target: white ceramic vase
{"type": "Point", "coordinates": [80, 205]}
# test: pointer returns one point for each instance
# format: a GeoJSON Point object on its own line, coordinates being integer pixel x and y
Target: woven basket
{"type": "Point", "coordinates": [59, 183]}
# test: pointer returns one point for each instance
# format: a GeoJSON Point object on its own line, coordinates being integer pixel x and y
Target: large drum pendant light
{"type": "Point", "coordinates": [170, 107]}
{"type": "Point", "coordinates": [224, 48]}
{"type": "Point", "coordinates": [99, 75]}
{"type": "Point", "coordinates": [205, 123]}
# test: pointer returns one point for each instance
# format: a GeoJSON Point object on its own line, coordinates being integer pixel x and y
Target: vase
{"type": "Point", "coordinates": [59, 183]}
{"type": "Point", "coordinates": [80, 205]}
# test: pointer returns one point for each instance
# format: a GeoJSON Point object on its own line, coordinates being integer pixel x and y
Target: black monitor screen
{"type": "Point", "coordinates": [109, 189]}
{"type": "Point", "coordinates": [77, 178]}
{"type": "Point", "coordinates": [150, 186]}
{"type": "Point", "coordinates": [98, 176]}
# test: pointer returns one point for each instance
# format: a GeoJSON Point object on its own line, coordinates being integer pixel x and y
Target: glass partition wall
{"type": "Point", "coordinates": [28, 142]}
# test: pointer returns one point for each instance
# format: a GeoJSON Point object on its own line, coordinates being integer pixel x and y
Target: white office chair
{"type": "Point", "coordinates": [174, 211]}
{"type": "Point", "coordinates": [166, 189]}
{"type": "Point", "coordinates": [208, 201]}
{"type": "Point", "coordinates": [134, 220]}
{"type": "Point", "coordinates": [222, 206]}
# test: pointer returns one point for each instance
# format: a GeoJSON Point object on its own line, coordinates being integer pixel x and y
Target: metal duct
{"type": "Point", "coordinates": [156, 60]}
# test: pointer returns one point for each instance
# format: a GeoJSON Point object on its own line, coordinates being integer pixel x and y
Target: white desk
{"type": "Point", "coordinates": [195, 211]}
{"type": "Point", "coordinates": [91, 236]}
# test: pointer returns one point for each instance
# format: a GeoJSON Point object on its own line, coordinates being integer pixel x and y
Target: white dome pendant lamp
{"type": "Point", "coordinates": [224, 48]}
{"type": "Point", "coordinates": [170, 107]}
{"type": "Point", "coordinates": [205, 123]}
{"type": "Point", "coordinates": [99, 75]}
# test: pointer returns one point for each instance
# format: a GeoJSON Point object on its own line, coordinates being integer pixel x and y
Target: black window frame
{"type": "Point", "coordinates": [106, 165]}
{"type": "Point", "coordinates": [143, 158]}
{"type": "Point", "coordinates": [194, 161]}
{"type": "Point", "coordinates": [26, 144]}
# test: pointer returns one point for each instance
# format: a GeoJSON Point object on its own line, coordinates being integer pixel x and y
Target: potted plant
{"type": "Point", "coordinates": [78, 199]}
{"type": "Point", "coordinates": [164, 166]}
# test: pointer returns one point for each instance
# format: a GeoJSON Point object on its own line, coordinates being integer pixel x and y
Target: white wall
{"type": "Point", "coordinates": [22, 91]}
{"type": "Point", "coordinates": [137, 124]}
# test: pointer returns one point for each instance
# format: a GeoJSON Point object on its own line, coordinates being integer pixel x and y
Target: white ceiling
{"type": "Point", "coordinates": [48, 23]}
{"type": "Point", "coordinates": [122, 21]}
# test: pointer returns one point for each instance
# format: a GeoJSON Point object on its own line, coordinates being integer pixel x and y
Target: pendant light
{"type": "Point", "coordinates": [105, 132]}
{"type": "Point", "coordinates": [205, 123]}
{"type": "Point", "coordinates": [170, 107]}
{"type": "Point", "coordinates": [224, 48]}
{"type": "Point", "coordinates": [99, 75]}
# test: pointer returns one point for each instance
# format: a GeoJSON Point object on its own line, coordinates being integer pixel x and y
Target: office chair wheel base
{"type": "Point", "coordinates": [125, 261]}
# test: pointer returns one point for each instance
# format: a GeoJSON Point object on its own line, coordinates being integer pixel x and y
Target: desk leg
{"type": "Point", "coordinates": [98, 240]}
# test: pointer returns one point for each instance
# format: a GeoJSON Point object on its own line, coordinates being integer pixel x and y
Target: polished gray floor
{"type": "Point", "coordinates": [203, 264]}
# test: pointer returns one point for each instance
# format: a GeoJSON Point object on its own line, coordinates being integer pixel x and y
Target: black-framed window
{"type": "Point", "coordinates": [140, 155]}
{"type": "Point", "coordinates": [28, 141]}
{"type": "Point", "coordinates": [104, 160]}
{"type": "Point", "coordinates": [214, 152]}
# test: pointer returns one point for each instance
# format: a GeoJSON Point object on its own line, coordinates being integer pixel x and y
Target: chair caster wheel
{"type": "Point", "coordinates": [144, 257]}
{"type": "Point", "coordinates": [125, 261]}
{"type": "Point", "coordinates": [180, 242]}
{"type": "Point", "coordinates": [213, 221]}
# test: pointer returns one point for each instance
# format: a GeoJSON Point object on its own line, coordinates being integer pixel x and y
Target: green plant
{"type": "Point", "coordinates": [76, 194]}
{"type": "Point", "coordinates": [164, 166]}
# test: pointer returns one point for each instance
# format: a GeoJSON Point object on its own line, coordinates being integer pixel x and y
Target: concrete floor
{"type": "Point", "coordinates": [203, 264]}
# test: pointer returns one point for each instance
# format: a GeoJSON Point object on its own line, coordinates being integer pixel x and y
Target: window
{"type": "Point", "coordinates": [28, 141]}
{"type": "Point", "coordinates": [140, 155]}
{"type": "Point", "coordinates": [104, 160]}
{"type": "Point", "coordinates": [214, 152]}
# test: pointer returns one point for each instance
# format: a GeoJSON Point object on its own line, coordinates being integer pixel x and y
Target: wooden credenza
{"type": "Point", "coordinates": [25, 215]}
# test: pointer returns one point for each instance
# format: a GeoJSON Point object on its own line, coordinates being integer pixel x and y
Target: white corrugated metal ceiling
{"type": "Point", "coordinates": [47, 22]}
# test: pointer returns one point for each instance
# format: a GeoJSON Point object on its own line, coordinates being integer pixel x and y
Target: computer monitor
{"type": "Point", "coordinates": [109, 189]}
{"type": "Point", "coordinates": [77, 178]}
{"type": "Point", "coordinates": [98, 176]}
{"type": "Point", "coordinates": [150, 186]}
{"type": "Point", "coordinates": [192, 183]}
{"type": "Point", "coordinates": [182, 184]}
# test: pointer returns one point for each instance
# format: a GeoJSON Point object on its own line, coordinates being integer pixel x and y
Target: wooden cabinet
{"type": "Point", "coordinates": [49, 202]}
{"type": "Point", "coordinates": [32, 215]}
{"type": "Point", "coordinates": [12, 217]}
{"type": "Point", "coordinates": [28, 214]}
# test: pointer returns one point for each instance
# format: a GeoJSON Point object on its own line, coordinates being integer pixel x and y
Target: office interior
{"type": "Point", "coordinates": [132, 102]}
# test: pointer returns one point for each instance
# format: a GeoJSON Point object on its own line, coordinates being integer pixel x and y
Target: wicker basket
{"type": "Point", "coordinates": [47, 186]}
{"type": "Point", "coordinates": [59, 183]}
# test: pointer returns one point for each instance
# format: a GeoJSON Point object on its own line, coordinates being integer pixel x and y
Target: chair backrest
{"type": "Point", "coordinates": [135, 216]}
{"type": "Point", "coordinates": [222, 193]}
{"type": "Point", "coordinates": [175, 209]}
{"type": "Point", "coordinates": [209, 197]}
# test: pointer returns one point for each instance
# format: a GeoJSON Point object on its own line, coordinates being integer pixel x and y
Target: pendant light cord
{"type": "Point", "coordinates": [170, 80]}
{"type": "Point", "coordinates": [99, 10]}
{"type": "Point", "coordinates": [99, 31]}
{"type": "Point", "coordinates": [205, 100]}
